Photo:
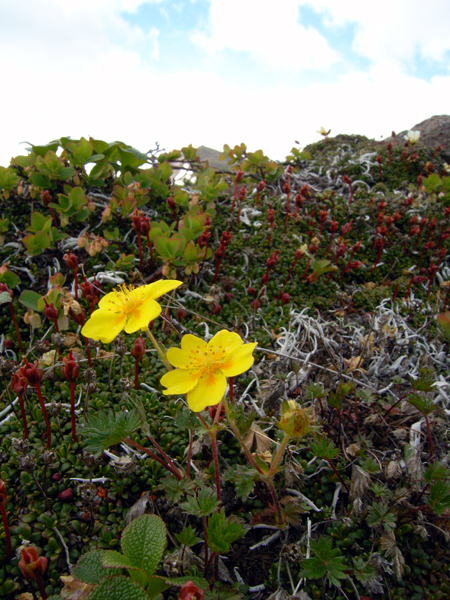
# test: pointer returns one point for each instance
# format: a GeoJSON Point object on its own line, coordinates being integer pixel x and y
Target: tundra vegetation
{"type": "Point", "coordinates": [229, 384]}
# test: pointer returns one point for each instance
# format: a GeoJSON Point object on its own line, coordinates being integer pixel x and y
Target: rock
{"type": "Point", "coordinates": [433, 132]}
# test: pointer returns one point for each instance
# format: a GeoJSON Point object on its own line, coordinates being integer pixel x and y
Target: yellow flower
{"type": "Point", "coordinates": [202, 368]}
{"type": "Point", "coordinates": [127, 307]}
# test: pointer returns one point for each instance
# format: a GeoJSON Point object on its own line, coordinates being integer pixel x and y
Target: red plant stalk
{"type": "Point", "coordinates": [271, 219]}
{"type": "Point", "coordinates": [270, 263]}
{"type": "Point", "coordinates": [241, 197]}
{"type": "Point", "coordinates": [70, 371]}
{"type": "Point", "coordinates": [45, 414]}
{"type": "Point", "coordinates": [346, 179]}
{"type": "Point", "coordinates": [297, 257]}
{"type": "Point", "coordinates": [189, 456]}
{"type": "Point", "coordinates": [432, 270]}
{"type": "Point", "coordinates": [137, 352]}
{"type": "Point", "coordinates": [346, 228]}
{"type": "Point", "coordinates": [3, 499]}
{"type": "Point", "coordinates": [308, 262]}
{"type": "Point", "coordinates": [414, 281]}
{"type": "Point", "coordinates": [389, 148]}
{"type": "Point", "coordinates": [379, 245]}
{"type": "Point", "coordinates": [239, 177]}
{"type": "Point", "coordinates": [380, 161]}
{"type": "Point", "coordinates": [220, 253]}
{"type": "Point", "coordinates": [169, 467]}
{"type": "Point", "coordinates": [259, 189]}
{"type": "Point", "coordinates": [287, 191]}
{"type": "Point", "coordinates": [18, 385]}
{"type": "Point", "coordinates": [145, 227]}
{"type": "Point", "coordinates": [16, 327]}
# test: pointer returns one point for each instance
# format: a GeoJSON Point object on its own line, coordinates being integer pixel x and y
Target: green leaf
{"type": "Point", "coordinates": [379, 514]}
{"type": "Point", "coordinates": [109, 429]}
{"type": "Point", "coordinates": [40, 180]}
{"type": "Point", "coordinates": [243, 478]}
{"type": "Point", "coordinates": [423, 404]}
{"type": "Point", "coordinates": [187, 537]}
{"type": "Point", "coordinates": [167, 248]}
{"type": "Point", "coordinates": [425, 382]}
{"type": "Point", "coordinates": [143, 542]}
{"type": "Point", "coordinates": [325, 562]}
{"type": "Point", "coordinates": [223, 531]}
{"type": "Point", "coordinates": [118, 588]}
{"type": "Point", "coordinates": [166, 171]}
{"type": "Point", "coordinates": [444, 321]}
{"type": "Point", "coordinates": [39, 222]}
{"type": "Point", "coordinates": [439, 498]}
{"type": "Point", "coordinates": [363, 571]}
{"type": "Point", "coordinates": [202, 506]}
{"type": "Point", "coordinates": [89, 568]}
{"type": "Point", "coordinates": [11, 279]}
{"type": "Point", "coordinates": [324, 448]}
{"type": "Point", "coordinates": [436, 470]}
{"type": "Point", "coordinates": [112, 558]}
{"type": "Point", "coordinates": [174, 489]}
{"type": "Point", "coordinates": [5, 298]}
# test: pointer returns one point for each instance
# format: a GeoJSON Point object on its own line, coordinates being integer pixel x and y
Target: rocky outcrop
{"type": "Point", "coordinates": [434, 131]}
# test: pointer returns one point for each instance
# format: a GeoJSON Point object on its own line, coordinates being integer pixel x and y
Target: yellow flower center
{"type": "Point", "coordinates": [128, 298]}
{"type": "Point", "coordinates": [206, 361]}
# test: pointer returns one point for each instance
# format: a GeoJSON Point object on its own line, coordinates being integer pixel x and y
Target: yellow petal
{"type": "Point", "coordinates": [226, 341]}
{"type": "Point", "coordinates": [238, 361]}
{"type": "Point", "coordinates": [209, 391]}
{"type": "Point", "coordinates": [141, 317]}
{"type": "Point", "coordinates": [178, 358]}
{"type": "Point", "coordinates": [191, 343]}
{"type": "Point", "coordinates": [108, 300]}
{"type": "Point", "coordinates": [160, 287]}
{"type": "Point", "coordinates": [179, 381]}
{"type": "Point", "coordinates": [104, 325]}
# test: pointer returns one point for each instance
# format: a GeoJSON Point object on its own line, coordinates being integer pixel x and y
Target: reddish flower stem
{"type": "Point", "coordinates": [172, 469]}
{"type": "Point", "coordinates": [149, 244]}
{"type": "Point", "coordinates": [136, 374]}
{"type": "Point", "coordinates": [24, 417]}
{"type": "Point", "coordinates": [41, 587]}
{"type": "Point", "coordinates": [45, 414]}
{"type": "Point", "coordinates": [140, 249]}
{"type": "Point", "coordinates": [7, 534]}
{"type": "Point", "coordinates": [16, 327]}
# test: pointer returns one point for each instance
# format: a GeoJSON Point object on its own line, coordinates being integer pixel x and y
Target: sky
{"type": "Point", "coordinates": [214, 72]}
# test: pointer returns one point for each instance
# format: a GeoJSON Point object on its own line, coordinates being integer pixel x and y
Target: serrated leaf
{"type": "Point", "coordinates": [439, 498]}
{"type": "Point", "coordinates": [143, 542]}
{"type": "Point", "coordinates": [109, 429]}
{"type": "Point", "coordinates": [243, 478]}
{"type": "Point", "coordinates": [325, 562]}
{"type": "Point", "coordinates": [118, 588]}
{"type": "Point", "coordinates": [223, 531]}
{"type": "Point", "coordinates": [89, 568]}
{"type": "Point", "coordinates": [202, 506]}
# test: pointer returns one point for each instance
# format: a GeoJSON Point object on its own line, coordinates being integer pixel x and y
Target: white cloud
{"type": "Point", "coordinates": [79, 74]}
{"type": "Point", "coordinates": [268, 31]}
{"type": "Point", "coordinates": [394, 30]}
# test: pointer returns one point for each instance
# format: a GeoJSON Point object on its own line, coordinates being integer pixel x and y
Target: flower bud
{"type": "Point", "coordinates": [3, 496]}
{"type": "Point", "coordinates": [71, 260]}
{"type": "Point", "coordinates": [51, 312]}
{"type": "Point", "coordinates": [18, 383]}
{"type": "Point", "coordinates": [66, 495]}
{"type": "Point", "coordinates": [71, 369]}
{"type": "Point", "coordinates": [32, 564]}
{"type": "Point", "coordinates": [32, 374]}
{"type": "Point", "coordinates": [294, 420]}
{"type": "Point", "coordinates": [190, 591]}
{"type": "Point", "coordinates": [285, 299]}
{"type": "Point", "coordinates": [138, 349]}
{"type": "Point", "coordinates": [239, 176]}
